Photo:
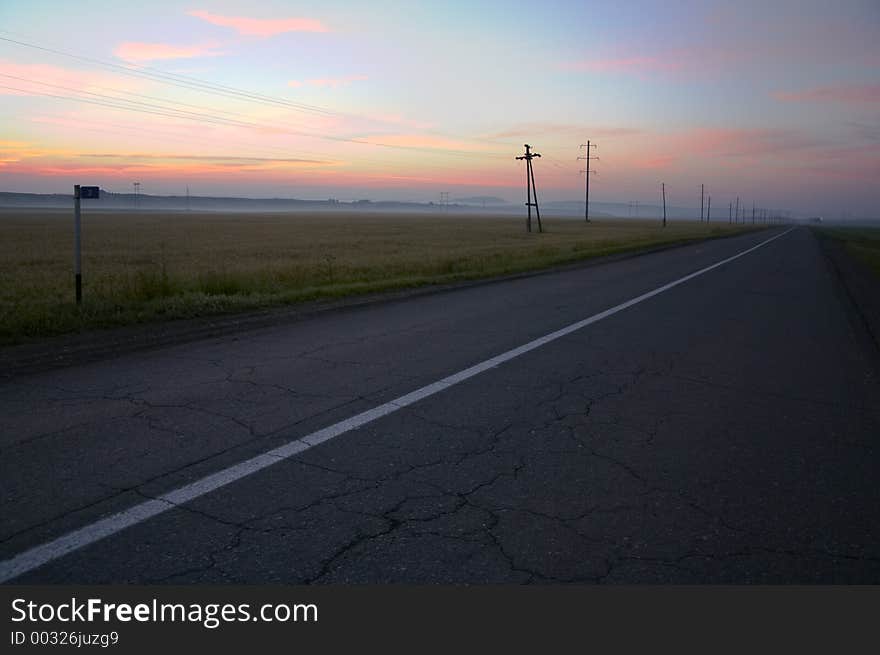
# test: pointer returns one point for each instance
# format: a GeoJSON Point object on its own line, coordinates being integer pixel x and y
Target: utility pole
{"type": "Point", "coordinates": [588, 158]}
{"type": "Point", "coordinates": [737, 210]}
{"type": "Point", "coordinates": [137, 193]}
{"type": "Point", "coordinates": [702, 190]}
{"type": "Point", "coordinates": [753, 213]}
{"type": "Point", "coordinates": [730, 213]}
{"type": "Point", "coordinates": [531, 189]}
{"type": "Point", "coordinates": [663, 184]}
{"type": "Point", "coordinates": [709, 209]}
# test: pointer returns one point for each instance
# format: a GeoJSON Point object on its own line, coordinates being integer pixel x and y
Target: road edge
{"type": "Point", "coordinates": [859, 289]}
{"type": "Point", "coordinates": [49, 353]}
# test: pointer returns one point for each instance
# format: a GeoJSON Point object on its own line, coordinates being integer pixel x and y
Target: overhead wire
{"type": "Point", "coordinates": [196, 84]}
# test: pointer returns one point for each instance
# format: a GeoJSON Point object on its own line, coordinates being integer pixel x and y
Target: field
{"type": "Point", "coordinates": [144, 266]}
{"type": "Point", "coordinates": [862, 242]}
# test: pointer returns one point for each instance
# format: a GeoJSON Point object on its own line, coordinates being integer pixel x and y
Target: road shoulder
{"type": "Point", "coordinates": [43, 354]}
{"type": "Point", "coordinates": [860, 286]}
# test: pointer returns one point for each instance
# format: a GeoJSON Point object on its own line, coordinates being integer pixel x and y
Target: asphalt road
{"type": "Point", "coordinates": [723, 430]}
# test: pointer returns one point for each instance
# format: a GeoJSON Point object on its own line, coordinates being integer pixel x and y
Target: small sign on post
{"type": "Point", "coordinates": [89, 192]}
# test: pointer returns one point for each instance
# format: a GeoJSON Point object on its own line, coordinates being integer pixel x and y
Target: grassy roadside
{"type": "Point", "coordinates": [863, 243]}
{"type": "Point", "coordinates": [144, 267]}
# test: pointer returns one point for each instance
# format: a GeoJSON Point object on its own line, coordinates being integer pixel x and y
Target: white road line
{"type": "Point", "coordinates": [89, 534]}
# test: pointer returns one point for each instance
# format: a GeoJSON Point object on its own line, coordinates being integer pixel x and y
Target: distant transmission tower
{"type": "Point", "coordinates": [444, 200]}
{"type": "Point", "coordinates": [137, 193]}
{"type": "Point", "coordinates": [531, 189]}
{"type": "Point", "coordinates": [588, 158]}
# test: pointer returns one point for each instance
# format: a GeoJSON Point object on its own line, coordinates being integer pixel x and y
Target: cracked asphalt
{"type": "Point", "coordinates": [724, 431]}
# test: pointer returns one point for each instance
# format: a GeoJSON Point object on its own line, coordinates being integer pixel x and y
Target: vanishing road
{"type": "Point", "coordinates": [709, 413]}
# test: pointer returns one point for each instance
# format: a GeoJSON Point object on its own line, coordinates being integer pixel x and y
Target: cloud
{"type": "Point", "coordinates": [210, 158]}
{"type": "Point", "coordinates": [35, 79]}
{"type": "Point", "coordinates": [422, 141]}
{"type": "Point", "coordinates": [530, 129]}
{"type": "Point", "coordinates": [399, 119]}
{"type": "Point", "coordinates": [262, 27]}
{"type": "Point", "coordinates": [743, 142]}
{"type": "Point", "coordinates": [632, 64]}
{"type": "Point", "coordinates": [654, 162]}
{"type": "Point", "coordinates": [634, 59]}
{"type": "Point", "coordinates": [137, 51]}
{"type": "Point", "coordinates": [854, 94]}
{"type": "Point", "coordinates": [15, 151]}
{"type": "Point", "coordinates": [331, 82]}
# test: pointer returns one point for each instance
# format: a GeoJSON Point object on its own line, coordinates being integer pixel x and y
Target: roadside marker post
{"type": "Point", "coordinates": [78, 193]}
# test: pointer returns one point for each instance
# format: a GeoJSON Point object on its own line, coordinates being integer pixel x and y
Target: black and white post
{"type": "Point", "coordinates": [77, 251]}
{"type": "Point", "coordinates": [80, 192]}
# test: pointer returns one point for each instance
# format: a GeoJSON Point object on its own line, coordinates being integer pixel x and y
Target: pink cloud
{"type": "Point", "coordinates": [331, 82]}
{"type": "Point", "coordinates": [34, 79]}
{"type": "Point", "coordinates": [742, 142]}
{"type": "Point", "coordinates": [848, 94]}
{"type": "Point", "coordinates": [624, 65]}
{"type": "Point", "coordinates": [421, 141]}
{"type": "Point", "coordinates": [530, 129]}
{"type": "Point", "coordinates": [654, 162]}
{"type": "Point", "coordinates": [263, 27]}
{"type": "Point", "coordinates": [399, 119]}
{"type": "Point", "coordinates": [137, 51]}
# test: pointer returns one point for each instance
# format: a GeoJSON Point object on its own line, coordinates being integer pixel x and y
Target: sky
{"type": "Point", "coordinates": [774, 101]}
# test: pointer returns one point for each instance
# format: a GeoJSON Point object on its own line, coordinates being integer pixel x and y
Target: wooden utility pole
{"type": "Point", "coordinates": [530, 189]}
{"type": "Point", "coordinates": [588, 158]}
{"type": "Point", "coordinates": [709, 209]}
{"type": "Point", "coordinates": [737, 210]}
{"type": "Point", "coordinates": [753, 213]}
{"type": "Point", "coordinates": [730, 213]}
{"type": "Point", "coordinates": [663, 185]}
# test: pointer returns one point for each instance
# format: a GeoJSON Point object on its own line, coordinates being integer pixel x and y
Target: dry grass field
{"type": "Point", "coordinates": [149, 266]}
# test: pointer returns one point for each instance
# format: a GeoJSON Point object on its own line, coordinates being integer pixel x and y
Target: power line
{"type": "Point", "coordinates": [148, 108]}
{"type": "Point", "coordinates": [192, 83]}
{"type": "Point", "coordinates": [184, 81]}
